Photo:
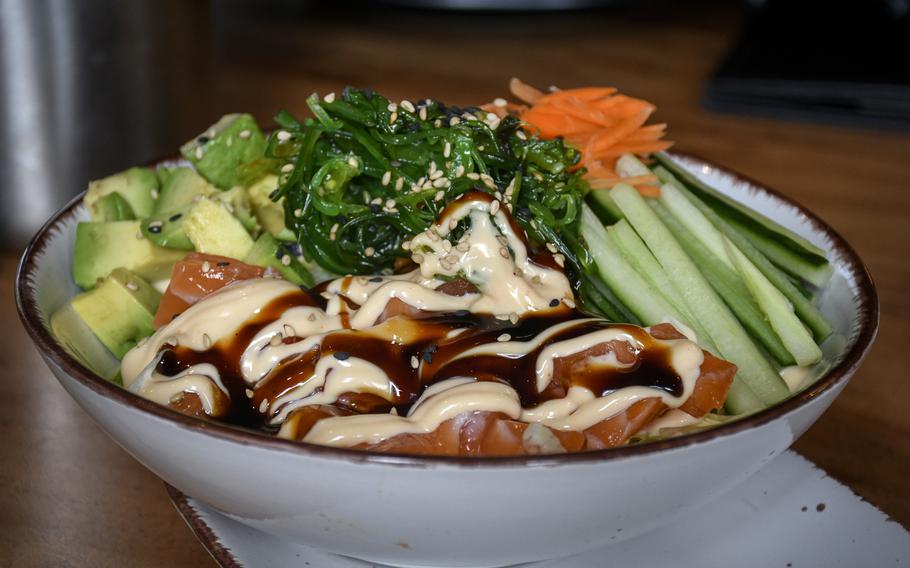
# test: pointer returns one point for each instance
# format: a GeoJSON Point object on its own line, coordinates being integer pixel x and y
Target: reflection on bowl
{"type": "Point", "coordinates": [450, 511]}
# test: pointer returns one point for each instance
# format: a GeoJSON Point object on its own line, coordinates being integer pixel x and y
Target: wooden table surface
{"type": "Point", "coordinates": [70, 497]}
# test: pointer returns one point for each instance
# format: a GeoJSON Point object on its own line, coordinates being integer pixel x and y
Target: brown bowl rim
{"type": "Point", "coordinates": [868, 315]}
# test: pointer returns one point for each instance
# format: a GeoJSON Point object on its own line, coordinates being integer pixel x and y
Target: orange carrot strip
{"type": "Point", "coordinates": [523, 91]}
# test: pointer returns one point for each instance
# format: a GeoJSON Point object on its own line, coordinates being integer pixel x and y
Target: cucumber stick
{"type": "Point", "coordinates": [732, 207]}
{"type": "Point", "coordinates": [629, 286]}
{"type": "Point", "coordinates": [602, 204]}
{"type": "Point", "coordinates": [729, 285]}
{"type": "Point", "coordinates": [697, 224]}
{"type": "Point", "coordinates": [733, 342]}
{"type": "Point", "coordinates": [629, 166]}
{"type": "Point", "coordinates": [637, 254]}
{"type": "Point", "coordinates": [779, 311]}
{"type": "Point", "coordinates": [803, 307]}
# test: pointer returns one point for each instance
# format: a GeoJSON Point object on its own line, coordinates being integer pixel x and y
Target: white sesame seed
{"type": "Point", "coordinates": [376, 201]}
{"type": "Point", "coordinates": [206, 340]}
{"type": "Point", "coordinates": [445, 264]}
{"type": "Point", "coordinates": [504, 252]}
{"type": "Point", "coordinates": [353, 162]}
{"type": "Point", "coordinates": [289, 331]}
{"type": "Point", "coordinates": [421, 181]}
{"type": "Point", "coordinates": [568, 302]}
{"type": "Point", "coordinates": [329, 98]}
{"type": "Point", "coordinates": [513, 317]}
{"type": "Point", "coordinates": [437, 123]}
{"type": "Point", "coordinates": [462, 247]}
{"type": "Point", "coordinates": [504, 337]}
{"type": "Point", "coordinates": [131, 285]}
{"type": "Point", "coordinates": [454, 120]}
{"type": "Point", "coordinates": [390, 204]}
{"type": "Point", "coordinates": [287, 168]}
{"type": "Point", "coordinates": [369, 251]}
{"type": "Point", "coordinates": [326, 295]}
{"type": "Point", "coordinates": [473, 175]}
{"type": "Point", "coordinates": [417, 258]}
{"type": "Point", "coordinates": [311, 317]}
{"type": "Point", "coordinates": [500, 102]}
{"type": "Point", "coordinates": [447, 149]}
{"type": "Point", "coordinates": [172, 341]}
{"type": "Point", "coordinates": [497, 195]}
{"type": "Point", "coordinates": [560, 259]}
{"type": "Point", "coordinates": [414, 362]}
{"type": "Point", "coordinates": [244, 134]}
{"type": "Point", "coordinates": [393, 118]}
{"type": "Point", "coordinates": [406, 105]}
{"type": "Point", "coordinates": [263, 406]}
{"type": "Point", "coordinates": [441, 182]}
{"type": "Point", "coordinates": [492, 116]}
{"type": "Point", "coordinates": [551, 247]}
{"type": "Point", "coordinates": [249, 393]}
{"type": "Point", "coordinates": [334, 228]}
{"type": "Point", "coordinates": [392, 107]}
{"type": "Point", "coordinates": [446, 245]}
{"type": "Point", "coordinates": [502, 240]}
{"type": "Point", "coordinates": [286, 260]}
{"type": "Point", "coordinates": [284, 135]}
{"type": "Point", "coordinates": [453, 224]}
{"type": "Point", "coordinates": [469, 117]}
{"type": "Point", "coordinates": [298, 213]}
{"type": "Point", "coordinates": [494, 207]}
{"type": "Point", "coordinates": [423, 113]}
{"type": "Point", "coordinates": [199, 152]}
{"type": "Point", "coordinates": [156, 225]}
{"type": "Point", "coordinates": [521, 135]}
{"type": "Point", "coordinates": [452, 258]}
{"type": "Point", "coordinates": [502, 316]}
{"type": "Point", "coordinates": [206, 267]}
{"type": "Point", "coordinates": [406, 245]}
{"type": "Point", "coordinates": [399, 183]}
{"type": "Point", "coordinates": [386, 178]}
{"type": "Point", "coordinates": [439, 195]}
{"type": "Point", "coordinates": [436, 175]}
{"type": "Point", "coordinates": [459, 171]}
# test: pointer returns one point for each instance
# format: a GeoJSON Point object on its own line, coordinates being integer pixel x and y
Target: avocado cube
{"type": "Point", "coordinates": [179, 188]}
{"type": "Point", "coordinates": [78, 339]}
{"type": "Point", "coordinates": [269, 213]}
{"type": "Point", "coordinates": [119, 311]}
{"type": "Point", "coordinates": [218, 153]}
{"type": "Point", "coordinates": [214, 230]}
{"type": "Point", "coordinates": [238, 204]}
{"type": "Point", "coordinates": [112, 207]}
{"type": "Point", "coordinates": [138, 186]}
{"type": "Point", "coordinates": [166, 229]}
{"type": "Point", "coordinates": [103, 246]}
{"type": "Point", "coordinates": [268, 252]}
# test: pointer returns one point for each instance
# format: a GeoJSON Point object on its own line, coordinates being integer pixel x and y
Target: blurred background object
{"type": "Point", "coordinates": [840, 62]}
{"type": "Point", "coordinates": [88, 88]}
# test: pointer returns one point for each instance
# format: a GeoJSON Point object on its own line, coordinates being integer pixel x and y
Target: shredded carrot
{"type": "Point", "coordinates": [602, 123]}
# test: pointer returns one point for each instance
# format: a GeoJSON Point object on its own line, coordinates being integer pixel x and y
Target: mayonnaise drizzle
{"type": "Point", "coordinates": [490, 255]}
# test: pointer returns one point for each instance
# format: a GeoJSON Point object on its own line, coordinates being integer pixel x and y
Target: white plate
{"type": "Point", "coordinates": [789, 514]}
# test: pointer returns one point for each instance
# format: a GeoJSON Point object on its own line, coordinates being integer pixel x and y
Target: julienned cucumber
{"type": "Point", "coordinates": [803, 307]}
{"type": "Point", "coordinates": [733, 342]}
{"type": "Point", "coordinates": [730, 206]}
{"type": "Point", "coordinates": [780, 314]}
{"type": "Point", "coordinates": [802, 267]}
{"type": "Point", "coordinates": [728, 285]}
{"type": "Point", "coordinates": [697, 224]}
{"type": "Point", "coordinates": [630, 287]}
{"type": "Point", "coordinates": [637, 254]}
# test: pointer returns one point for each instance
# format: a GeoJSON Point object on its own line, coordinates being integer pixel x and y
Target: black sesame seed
{"type": "Point", "coordinates": [341, 355]}
{"type": "Point", "coordinates": [155, 229]}
{"type": "Point", "coordinates": [203, 139]}
{"type": "Point", "coordinates": [174, 316]}
{"type": "Point", "coordinates": [175, 217]}
{"type": "Point", "coordinates": [375, 208]}
{"type": "Point", "coordinates": [462, 313]}
{"type": "Point", "coordinates": [554, 302]}
{"type": "Point", "coordinates": [274, 194]}
{"type": "Point", "coordinates": [523, 211]}
{"type": "Point", "coordinates": [376, 279]}
{"type": "Point", "coordinates": [341, 219]}
{"type": "Point", "coordinates": [223, 263]}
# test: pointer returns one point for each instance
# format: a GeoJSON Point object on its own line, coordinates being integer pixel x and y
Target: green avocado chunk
{"type": "Point", "coordinates": [238, 204]}
{"type": "Point", "coordinates": [103, 246]}
{"type": "Point", "coordinates": [218, 153]}
{"type": "Point", "coordinates": [179, 188]}
{"type": "Point", "coordinates": [138, 186]}
{"type": "Point", "coordinates": [112, 207]}
{"type": "Point", "coordinates": [166, 229]}
{"type": "Point", "coordinates": [268, 252]}
{"type": "Point", "coordinates": [214, 230]}
{"type": "Point", "coordinates": [119, 311]}
{"type": "Point", "coordinates": [269, 213]}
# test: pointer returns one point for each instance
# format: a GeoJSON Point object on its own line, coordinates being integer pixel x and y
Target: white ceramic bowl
{"type": "Point", "coordinates": [421, 511]}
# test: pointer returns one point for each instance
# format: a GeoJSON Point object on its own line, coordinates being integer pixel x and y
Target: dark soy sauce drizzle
{"type": "Point", "coordinates": [438, 358]}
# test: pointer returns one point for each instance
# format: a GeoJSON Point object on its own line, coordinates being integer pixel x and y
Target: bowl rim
{"type": "Point", "coordinates": [868, 316]}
